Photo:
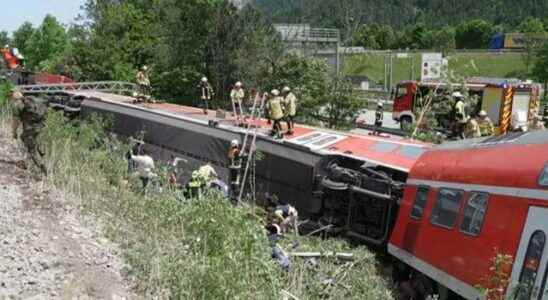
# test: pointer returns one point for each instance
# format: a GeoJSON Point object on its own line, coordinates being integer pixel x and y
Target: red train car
{"type": "Point", "coordinates": [463, 201]}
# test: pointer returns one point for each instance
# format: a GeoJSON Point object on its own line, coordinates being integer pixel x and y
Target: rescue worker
{"type": "Point", "coordinates": [288, 216]}
{"type": "Point", "coordinates": [206, 93]}
{"type": "Point", "coordinates": [208, 174]}
{"type": "Point", "coordinates": [237, 95]}
{"type": "Point", "coordinates": [143, 81]}
{"type": "Point", "coordinates": [17, 105]}
{"type": "Point", "coordinates": [379, 116]}
{"type": "Point", "coordinates": [234, 167]}
{"type": "Point", "coordinates": [276, 113]}
{"type": "Point", "coordinates": [460, 114]}
{"type": "Point", "coordinates": [195, 186]}
{"type": "Point", "coordinates": [472, 129]}
{"type": "Point", "coordinates": [485, 125]}
{"type": "Point", "coordinates": [290, 105]}
{"type": "Point", "coordinates": [32, 116]}
{"type": "Point", "coordinates": [144, 168]}
{"type": "Point", "coordinates": [537, 123]}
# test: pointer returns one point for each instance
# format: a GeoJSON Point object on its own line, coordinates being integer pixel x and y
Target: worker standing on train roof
{"type": "Point", "coordinates": [485, 125]}
{"type": "Point", "coordinates": [206, 93]}
{"type": "Point", "coordinates": [237, 95]}
{"type": "Point", "coordinates": [143, 81]}
{"type": "Point", "coordinates": [276, 112]}
{"type": "Point", "coordinates": [290, 105]}
{"type": "Point", "coordinates": [460, 114]}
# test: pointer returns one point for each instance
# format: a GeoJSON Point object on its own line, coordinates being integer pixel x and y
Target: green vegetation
{"type": "Point", "coordinates": [192, 249]}
{"type": "Point", "coordinates": [485, 64]}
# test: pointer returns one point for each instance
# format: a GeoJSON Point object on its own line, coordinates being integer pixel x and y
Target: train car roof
{"type": "Point", "coordinates": [515, 160]}
{"type": "Point", "coordinates": [387, 150]}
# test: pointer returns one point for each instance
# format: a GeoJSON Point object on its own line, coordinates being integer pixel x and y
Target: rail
{"type": "Point", "coordinates": [118, 87]}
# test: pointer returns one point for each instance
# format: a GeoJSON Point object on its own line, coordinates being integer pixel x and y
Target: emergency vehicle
{"type": "Point", "coordinates": [500, 98]}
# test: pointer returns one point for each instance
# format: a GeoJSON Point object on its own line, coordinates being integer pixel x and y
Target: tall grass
{"type": "Point", "coordinates": [190, 249]}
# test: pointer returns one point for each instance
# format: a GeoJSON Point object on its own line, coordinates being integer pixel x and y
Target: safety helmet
{"type": "Point", "coordinates": [234, 143]}
{"type": "Point", "coordinates": [204, 79]}
{"type": "Point", "coordinates": [238, 84]}
{"type": "Point", "coordinates": [286, 89]}
{"type": "Point", "coordinates": [458, 95]}
{"type": "Point", "coordinates": [144, 68]}
{"type": "Point", "coordinates": [482, 114]}
{"type": "Point", "coordinates": [380, 104]}
{"type": "Point", "coordinates": [275, 92]}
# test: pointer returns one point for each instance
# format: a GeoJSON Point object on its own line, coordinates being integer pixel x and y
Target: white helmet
{"type": "Point", "coordinates": [204, 79]}
{"type": "Point", "coordinates": [144, 68]}
{"type": "Point", "coordinates": [483, 113]}
{"type": "Point", "coordinates": [458, 95]}
{"type": "Point", "coordinates": [380, 103]}
{"type": "Point", "coordinates": [234, 143]}
{"type": "Point", "coordinates": [238, 84]}
{"type": "Point", "coordinates": [286, 89]}
{"type": "Point", "coordinates": [275, 92]}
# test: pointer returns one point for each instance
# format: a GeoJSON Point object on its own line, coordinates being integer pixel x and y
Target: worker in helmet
{"type": "Point", "coordinates": [379, 116]}
{"type": "Point", "coordinates": [275, 109]}
{"type": "Point", "coordinates": [208, 173]}
{"type": "Point", "coordinates": [461, 119]}
{"type": "Point", "coordinates": [237, 95]}
{"type": "Point", "coordinates": [290, 108]}
{"type": "Point", "coordinates": [206, 93]}
{"type": "Point", "coordinates": [287, 216]}
{"type": "Point", "coordinates": [195, 186]}
{"type": "Point", "coordinates": [235, 166]}
{"type": "Point", "coordinates": [537, 123]}
{"type": "Point", "coordinates": [143, 81]}
{"type": "Point", "coordinates": [485, 125]}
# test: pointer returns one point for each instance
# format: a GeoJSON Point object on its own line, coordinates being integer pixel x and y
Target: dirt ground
{"type": "Point", "coordinates": [48, 250]}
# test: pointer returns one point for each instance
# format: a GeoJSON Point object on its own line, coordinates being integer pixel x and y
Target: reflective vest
{"type": "Point", "coordinates": [486, 127]}
{"type": "Point", "coordinates": [237, 95]}
{"type": "Point", "coordinates": [290, 103]}
{"type": "Point", "coordinates": [275, 108]}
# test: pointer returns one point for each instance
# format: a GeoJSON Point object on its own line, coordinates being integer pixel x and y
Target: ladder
{"type": "Point", "coordinates": [250, 138]}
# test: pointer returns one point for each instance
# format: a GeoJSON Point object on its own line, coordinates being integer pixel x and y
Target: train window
{"type": "Point", "coordinates": [474, 213]}
{"type": "Point", "coordinates": [420, 202]}
{"type": "Point", "coordinates": [447, 208]}
{"type": "Point", "coordinates": [531, 263]}
{"type": "Point", "coordinates": [543, 179]}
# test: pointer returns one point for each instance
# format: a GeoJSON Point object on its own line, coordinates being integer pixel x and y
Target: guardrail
{"type": "Point", "coordinates": [118, 87]}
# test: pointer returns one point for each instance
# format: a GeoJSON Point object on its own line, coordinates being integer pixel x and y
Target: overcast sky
{"type": "Point", "coordinates": [14, 12]}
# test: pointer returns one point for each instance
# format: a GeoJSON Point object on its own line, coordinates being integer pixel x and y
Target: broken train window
{"type": "Point", "coordinates": [447, 208]}
{"type": "Point", "coordinates": [420, 202]}
{"type": "Point", "coordinates": [474, 213]}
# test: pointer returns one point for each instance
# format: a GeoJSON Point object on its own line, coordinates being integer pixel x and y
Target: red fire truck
{"type": "Point", "coordinates": [498, 97]}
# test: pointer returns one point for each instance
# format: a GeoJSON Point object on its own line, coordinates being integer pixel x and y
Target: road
{"type": "Point", "coordinates": [388, 122]}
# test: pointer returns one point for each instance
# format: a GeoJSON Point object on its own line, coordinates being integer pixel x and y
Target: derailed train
{"type": "Point", "coordinates": [439, 211]}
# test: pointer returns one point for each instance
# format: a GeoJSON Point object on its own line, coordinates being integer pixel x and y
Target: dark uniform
{"type": "Point", "coordinates": [206, 94]}
{"type": "Point", "coordinates": [32, 116]}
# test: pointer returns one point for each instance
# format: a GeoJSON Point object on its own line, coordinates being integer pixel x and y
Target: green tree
{"type": "Point", "coordinates": [374, 36]}
{"type": "Point", "coordinates": [46, 44]}
{"type": "Point", "coordinates": [540, 68]}
{"type": "Point", "coordinates": [4, 38]}
{"type": "Point", "coordinates": [340, 105]}
{"type": "Point", "coordinates": [474, 34]}
{"type": "Point", "coordinates": [21, 36]}
{"type": "Point", "coordinates": [444, 39]}
{"type": "Point", "coordinates": [531, 25]}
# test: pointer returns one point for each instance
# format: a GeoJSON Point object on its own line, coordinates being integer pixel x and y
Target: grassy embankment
{"type": "Point", "coordinates": [191, 249]}
{"type": "Point", "coordinates": [484, 64]}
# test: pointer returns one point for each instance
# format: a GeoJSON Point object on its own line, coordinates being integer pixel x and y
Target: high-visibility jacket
{"type": "Point", "coordinates": [275, 108]}
{"type": "Point", "coordinates": [290, 103]}
{"type": "Point", "coordinates": [237, 95]}
{"type": "Point", "coordinates": [460, 113]}
{"type": "Point", "coordinates": [142, 78]}
{"type": "Point", "coordinates": [486, 127]}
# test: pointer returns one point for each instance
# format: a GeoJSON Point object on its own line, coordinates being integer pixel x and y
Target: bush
{"type": "Point", "coordinates": [189, 249]}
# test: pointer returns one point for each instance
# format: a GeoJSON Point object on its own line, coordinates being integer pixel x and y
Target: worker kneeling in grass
{"type": "Point", "coordinates": [287, 216]}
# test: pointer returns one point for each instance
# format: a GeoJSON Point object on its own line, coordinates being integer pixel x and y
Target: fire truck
{"type": "Point", "coordinates": [500, 98]}
{"type": "Point", "coordinates": [13, 69]}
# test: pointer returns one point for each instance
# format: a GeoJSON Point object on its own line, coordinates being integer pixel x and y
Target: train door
{"type": "Point", "coordinates": [530, 269]}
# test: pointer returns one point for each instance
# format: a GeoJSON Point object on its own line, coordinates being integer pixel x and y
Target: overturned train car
{"type": "Point", "coordinates": [352, 181]}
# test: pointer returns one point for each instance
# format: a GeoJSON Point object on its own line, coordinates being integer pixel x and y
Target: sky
{"type": "Point", "coordinates": [12, 15]}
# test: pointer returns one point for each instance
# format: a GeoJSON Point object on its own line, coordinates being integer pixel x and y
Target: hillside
{"type": "Point", "coordinates": [329, 13]}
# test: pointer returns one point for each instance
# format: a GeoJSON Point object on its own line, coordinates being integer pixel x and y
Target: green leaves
{"type": "Point", "coordinates": [46, 44]}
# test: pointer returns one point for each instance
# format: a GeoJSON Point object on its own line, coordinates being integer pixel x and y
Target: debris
{"type": "Point", "coordinates": [320, 230]}
{"type": "Point", "coordinates": [339, 255]}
